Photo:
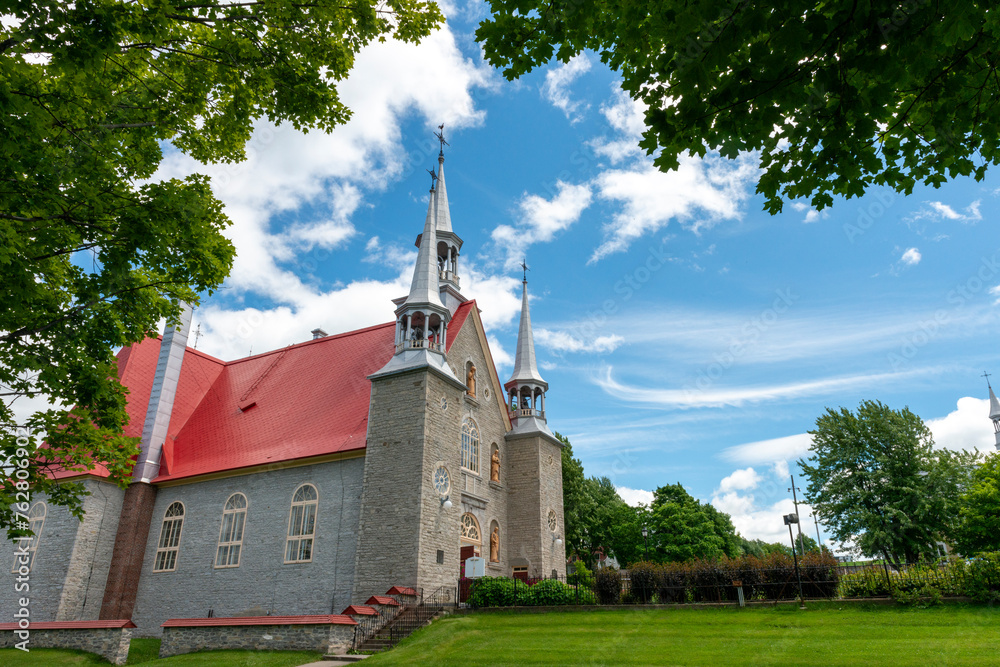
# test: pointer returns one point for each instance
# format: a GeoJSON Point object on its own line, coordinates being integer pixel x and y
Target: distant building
{"type": "Point", "coordinates": [302, 480]}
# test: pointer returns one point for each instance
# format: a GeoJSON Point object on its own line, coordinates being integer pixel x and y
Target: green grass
{"type": "Point", "coordinates": [143, 651]}
{"type": "Point", "coordinates": [826, 634]}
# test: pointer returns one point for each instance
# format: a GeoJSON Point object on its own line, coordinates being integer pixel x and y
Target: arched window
{"type": "Point", "coordinates": [302, 525]}
{"type": "Point", "coordinates": [470, 529]}
{"type": "Point", "coordinates": [231, 533]}
{"type": "Point", "coordinates": [470, 445]}
{"type": "Point", "coordinates": [36, 521]}
{"type": "Point", "coordinates": [170, 539]}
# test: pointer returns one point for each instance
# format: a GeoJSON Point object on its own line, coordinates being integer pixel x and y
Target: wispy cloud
{"type": "Point", "coordinates": [562, 341]}
{"type": "Point", "coordinates": [540, 220]}
{"type": "Point", "coordinates": [713, 397]}
{"type": "Point", "coordinates": [935, 210]}
{"type": "Point", "coordinates": [769, 451]}
{"type": "Point", "coordinates": [558, 81]}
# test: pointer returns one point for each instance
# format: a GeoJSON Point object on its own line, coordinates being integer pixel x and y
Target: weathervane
{"type": "Point", "coordinates": [197, 334]}
{"type": "Point", "coordinates": [434, 177]}
{"type": "Point", "coordinates": [524, 265]}
{"type": "Point", "coordinates": [440, 136]}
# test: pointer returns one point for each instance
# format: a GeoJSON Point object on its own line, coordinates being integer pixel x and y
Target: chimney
{"type": "Point", "coordinates": [318, 333]}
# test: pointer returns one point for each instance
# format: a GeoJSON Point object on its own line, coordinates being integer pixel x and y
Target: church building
{"type": "Point", "coordinates": [302, 480]}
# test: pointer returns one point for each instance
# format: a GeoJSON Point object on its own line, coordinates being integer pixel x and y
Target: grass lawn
{"type": "Point", "coordinates": [826, 634]}
{"type": "Point", "coordinates": [144, 651]}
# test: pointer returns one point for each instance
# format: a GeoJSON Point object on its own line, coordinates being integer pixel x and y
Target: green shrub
{"type": "Point", "coordinates": [496, 592]}
{"type": "Point", "coordinates": [982, 577]}
{"type": "Point", "coordinates": [608, 585]}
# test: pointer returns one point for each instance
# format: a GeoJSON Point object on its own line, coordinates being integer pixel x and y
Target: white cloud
{"type": "Point", "coordinates": [562, 341]}
{"type": "Point", "coordinates": [935, 210]}
{"type": "Point", "coordinates": [501, 357]}
{"type": "Point", "coordinates": [911, 257]}
{"type": "Point", "coordinates": [740, 480]}
{"type": "Point", "coordinates": [635, 497]}
{"type": "Point", "coordinates": [995, 291]}
{"type": "Point", "coordinates": [770, 452]}
{"type": "Point", "coordinates": [717, 397]}
{"type": "Point", "coordinates": [700, 192]}
{"type": "Point", "coordinates": [541, 220]}
{"type": "Point", "coordinates": [966, 427]}
{"type": "Point", "coordinates": [558, 81]}
{"type": "Point", "coordinates": [812, 215]}
{"type": "Point", "coordinates": [627, 118]}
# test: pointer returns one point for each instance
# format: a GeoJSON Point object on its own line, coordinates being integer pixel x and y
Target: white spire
{"type": "Point", "coordinates": [443, 212]}
{"type": "Point", "coordinates": [994, 404]}
{"type": "Point", "coordinates": [525, 364]}
{"type": "Point", "coordinates": [424, 286]}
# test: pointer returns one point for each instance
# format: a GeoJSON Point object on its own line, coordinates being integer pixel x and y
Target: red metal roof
{"type": "Point", "coordinates": [71, 625]}
{"type": "Point", "coordinates": [303, 401]}
{"type": "Point", "coordinates": [382, 599]}
{"type": "Point", "coordinates": [401, 590]}
{"type": "Point", "coordinates": [325, 619]}
{"type": "Point", "coordinates": [360, 610]}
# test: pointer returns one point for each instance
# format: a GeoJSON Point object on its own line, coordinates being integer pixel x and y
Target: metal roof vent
{"type": "Point", "coordinates": [318, 333]}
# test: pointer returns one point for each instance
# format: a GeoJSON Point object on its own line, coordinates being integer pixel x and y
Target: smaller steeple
{"type": "Point", "coordinates": [449, 244]}
{"type": "Point", "coordinates": [994, 411]}
{"type": "Point", "coordinates": [526, 388]}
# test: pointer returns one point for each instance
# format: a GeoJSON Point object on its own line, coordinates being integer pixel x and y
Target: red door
{"type": "Point", "coordinates": [466, 552]}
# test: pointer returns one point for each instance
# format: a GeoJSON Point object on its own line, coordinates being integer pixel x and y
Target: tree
{"type": "Point", "coordinates": [979, 516]}
{"type": "Point", "coordinates": [681, 528]}
{"type": "Point", "coordinates": [92, 252]}
{"type": "Point", "coordinates": [877, 482]}
{"type": "Point", "coordinates": [575, 501]}
{"type": "Point", "coordinates": [834, 97]}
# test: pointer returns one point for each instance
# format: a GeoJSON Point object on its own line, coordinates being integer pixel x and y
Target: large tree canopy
{"type": "Point", "coordinates": [682, 528]}
{"type": "Point", "coordinates": [979, 518]}
{"type": "Point", "coordinates": [879, 485]}
{"type": "Point", "coordinates": [835, 96]}
{"type": "Point", "coordinates": [92, 253]}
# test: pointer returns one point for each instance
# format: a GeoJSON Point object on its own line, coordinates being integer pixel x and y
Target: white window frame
{"type": "Point", "coordinates": [169, 545]}
{"type": "Point", "coordinates": [35, 525]}
{"type": "Point", "coordinates": [300, 537]}
{"type": "Point", "coordinates": [475, 540]}
{"type": "Point", "coordinates": [470, 445]}
{"type": "Point", "coordinates": [231, 531]}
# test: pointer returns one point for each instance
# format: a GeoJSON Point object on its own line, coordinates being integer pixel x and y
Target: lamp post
{"type": "Point", "coordinates": [645, 542]}
{"type": "Point", "coordinates": [789, 520]}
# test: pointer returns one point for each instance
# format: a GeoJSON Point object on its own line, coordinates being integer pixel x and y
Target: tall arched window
{"type": "Point", "coordinates": [470, 529]}
{"type": "Point", "coordinates": [231, 533]}
{"type": "Point", "coordinates": [36, 521]}
{"type": "Point", "coordinates": [170, 539]}
{"type": "Point", "coordinates": [302, 525]}
{"type": "Point", "coordinates": [470, 445]}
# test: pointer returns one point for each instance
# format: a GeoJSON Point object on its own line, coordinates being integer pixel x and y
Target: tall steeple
{"type": "Point", "coordinates": [422, 318]}
{"type": "Point", "coordinates": [449, 244]}
{"type": "Point", "coordinates": [994, 412]}
{"type": "Point", "coordinates": [526, 388]}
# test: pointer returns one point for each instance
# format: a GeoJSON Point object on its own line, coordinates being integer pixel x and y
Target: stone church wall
{"type": "Point", "coordinates": [61, 572]}
{"type": "Point", "coordinates": [263, 582]}
{"type": "Point", "coordinates": [484, 409]}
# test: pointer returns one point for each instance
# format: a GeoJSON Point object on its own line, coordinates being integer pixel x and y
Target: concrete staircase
{"type": "Point", "coordinates": [384, 620]}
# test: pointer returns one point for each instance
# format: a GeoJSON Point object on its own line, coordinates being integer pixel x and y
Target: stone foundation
{"type": "Point", "coordinates": [108, 639]}
{"type": "Point", "coordinates": [323, 634]}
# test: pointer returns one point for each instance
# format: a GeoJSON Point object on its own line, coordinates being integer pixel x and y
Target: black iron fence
{"type": "Point", "coordinates": [735, 582]}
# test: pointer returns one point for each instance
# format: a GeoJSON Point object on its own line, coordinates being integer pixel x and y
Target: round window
{"type": "Point", "coordinates": [442, 480]}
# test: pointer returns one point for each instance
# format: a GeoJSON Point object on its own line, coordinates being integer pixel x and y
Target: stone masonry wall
{"type": "Point", "coordinates": [525, 523]}
{"type": "Point", "coordinates": [320, 638]}
{"type": "Point", "coordinates": [83, 590]}
{"type": "Point", "coordinates": [484, 409]}
{"type": "Point", "coordinates": [111, 643]}
{"type": "Point", "coordinates": [263, 582]}
{"type": "Point", "coordinates": [389, 526]}
{"type": "Point", "coordinates": [59, 562]}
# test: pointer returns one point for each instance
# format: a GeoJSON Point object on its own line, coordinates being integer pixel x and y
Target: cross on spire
{"type": "Point", "coordinates": [524, 265]}
{"type": "Point", "coordinates": [440, 136]}
{"type": "Point", "coordinates": [197, 334]}
{"type": "Point", "coordinates": [987, 376]}
{"type": "Point", "coordinates": [434, 177]}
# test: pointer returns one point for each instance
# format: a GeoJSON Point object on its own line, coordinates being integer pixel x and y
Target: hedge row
{"type": "Point", "coordinates": [503, 592]}
{"type": "Point", "coordinates": [978, 578]}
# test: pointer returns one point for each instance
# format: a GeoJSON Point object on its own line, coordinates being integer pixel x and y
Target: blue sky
{"type": "Point", "coordinates": [685, 334]}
